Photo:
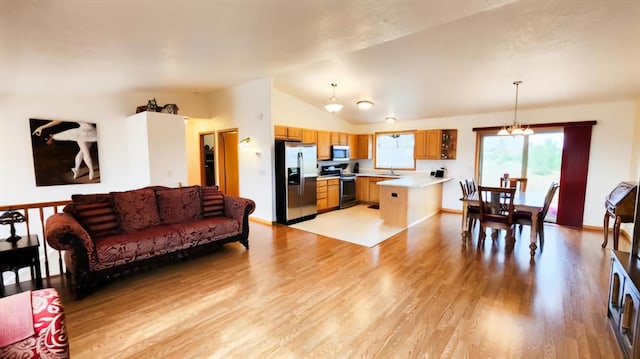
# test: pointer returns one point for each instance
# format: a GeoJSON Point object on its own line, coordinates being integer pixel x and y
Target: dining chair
{"type": "Point", "coordinates": [496, 209]}
{"type": "Point", "coordinates": [471, 186]}
{"type": "Point", "coordinates": [473, 212]}
{"type": "Point", "coordinates": [514, 182]}
{"type": "Point", "coordinates": [524, 217]}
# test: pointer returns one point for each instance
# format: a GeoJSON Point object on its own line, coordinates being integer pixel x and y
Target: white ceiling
{"type": "Point", "coordinates": [413, 58]}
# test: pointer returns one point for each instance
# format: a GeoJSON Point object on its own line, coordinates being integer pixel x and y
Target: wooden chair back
{"type": "Point", "coordinates": [547, 200]}
{"type": "Point", "coordinates": [463, 187]}
{"type": "Point", "coordinates": [514, 182]}
{"type": "Point", "coordinates": [496, 206]}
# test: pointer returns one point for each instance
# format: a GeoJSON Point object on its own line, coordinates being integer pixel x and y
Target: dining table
{"type": "Point", "coordinates": [531, 201]}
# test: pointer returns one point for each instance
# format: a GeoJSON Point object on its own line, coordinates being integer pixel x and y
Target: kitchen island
{"type": "Point", "coordinates": [409, 200]}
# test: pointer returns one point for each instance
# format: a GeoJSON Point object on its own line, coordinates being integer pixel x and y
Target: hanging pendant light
{"type": "Point", "coordinates": [515, 128]}
{"type": "Point", "coordinates": [333, 105]}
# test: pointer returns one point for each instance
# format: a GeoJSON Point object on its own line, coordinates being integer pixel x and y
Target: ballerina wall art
{"type": "Point", "coordinates": [64, 152]}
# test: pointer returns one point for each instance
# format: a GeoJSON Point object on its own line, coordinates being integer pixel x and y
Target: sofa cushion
{"type": "Point", "coordinates": [130, 247]}
{"type": "Point", "coordinates": [177, 205]}
{"type": "Point", "coordinates": [136, 209]}
{"type": "Point", "coordinates": [212, 201]}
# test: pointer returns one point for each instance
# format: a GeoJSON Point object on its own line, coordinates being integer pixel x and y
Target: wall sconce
{"type": "Point", "coordinates": [245, 140]}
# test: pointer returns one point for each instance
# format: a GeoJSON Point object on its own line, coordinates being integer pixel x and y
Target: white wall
{"type": "Point", "coordinates": [287, 110]}
{"type": "Point", "coordinates": [156, 150]}
{"type": "Point", "coordinates": [108, 111]}
{"type": "Point", "coordinates": [610, 161]}
{"type": "Point", "coordinates": [247, 107]}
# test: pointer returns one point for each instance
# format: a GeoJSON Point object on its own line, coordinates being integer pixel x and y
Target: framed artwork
{"type": "Point", "coordinates": [64, 152]}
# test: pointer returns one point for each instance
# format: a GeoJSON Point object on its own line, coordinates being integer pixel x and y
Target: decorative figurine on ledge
{"type": "Point", "coordinates": [11, 217]}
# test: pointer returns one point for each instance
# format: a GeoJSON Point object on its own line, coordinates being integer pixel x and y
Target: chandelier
{"type": "Point", "coordinates": [515, 128]}
{"type": "Point", "coordinates": [333, 105]}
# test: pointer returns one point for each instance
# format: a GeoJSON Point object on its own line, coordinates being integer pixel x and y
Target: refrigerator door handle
{"type": "Point", "coordinates": [301, 164]}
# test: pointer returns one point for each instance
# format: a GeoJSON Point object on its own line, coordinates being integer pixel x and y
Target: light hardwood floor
{"type": "Point", "coordinates": [299, 295]}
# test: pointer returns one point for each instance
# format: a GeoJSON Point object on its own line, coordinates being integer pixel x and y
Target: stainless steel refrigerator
{"type": "Point", "coordinates": [296, 175]}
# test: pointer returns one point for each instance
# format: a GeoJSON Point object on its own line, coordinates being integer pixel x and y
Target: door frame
{"type": "Point", "coordinates": [222, 158]}
{"type": "Point", "coordinates": [201, 135]}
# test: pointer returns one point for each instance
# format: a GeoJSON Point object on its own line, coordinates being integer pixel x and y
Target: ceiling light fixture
{"type": "Point", "coordinates": [515, 128]}
{"type": "Point", "coordinates": [333, 106]}
{"type": "Point", "coordinates": [364, 104]}
{"type": "Point", "coordinates": [389, 119]}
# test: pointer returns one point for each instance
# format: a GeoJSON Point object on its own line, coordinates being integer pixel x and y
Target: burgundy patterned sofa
{"type": "Point", "coordinates": [32, 326]}
{"type": "Point", "coordinates": [105, 234]}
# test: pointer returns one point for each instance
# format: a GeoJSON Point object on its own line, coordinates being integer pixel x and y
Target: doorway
{"type": "Point", "coordinates": [207, 159]}
{"type": "Point", "coordinates": [228, 162]}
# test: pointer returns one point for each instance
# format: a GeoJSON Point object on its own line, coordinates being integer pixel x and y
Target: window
{"type": "Point", "coordinates": [536, 157]}
{"type": "Point", "coordinates": [394, 150]}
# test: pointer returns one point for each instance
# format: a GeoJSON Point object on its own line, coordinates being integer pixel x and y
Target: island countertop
{"type": "Point", "coordinates": [413, 181]}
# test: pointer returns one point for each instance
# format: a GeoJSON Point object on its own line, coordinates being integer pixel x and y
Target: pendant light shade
{"type": "Point", "coordinates": [515, 128]}
{"type": "Point", "coordinates": [333, 105]}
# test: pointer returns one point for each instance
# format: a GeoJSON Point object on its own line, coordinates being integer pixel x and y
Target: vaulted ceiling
{"type": "Point", "coordinates": [412, 58]}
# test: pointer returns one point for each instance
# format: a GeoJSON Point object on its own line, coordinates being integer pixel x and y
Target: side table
{"type": "Point", "coordinates": [23, 253]}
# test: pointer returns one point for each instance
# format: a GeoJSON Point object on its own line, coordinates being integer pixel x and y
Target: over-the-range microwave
{"type": "Point", "coordinates": [339, 153]}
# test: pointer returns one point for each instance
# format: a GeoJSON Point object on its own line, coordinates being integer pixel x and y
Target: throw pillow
{"type": "Point", "coordinates": [177, 205]}
{"type": "Point", "coordinates": [98, 218]}
{"type": "Point", "coordinates": [212, 201]}
{"type": "Point", "coordinates": [136, 209]}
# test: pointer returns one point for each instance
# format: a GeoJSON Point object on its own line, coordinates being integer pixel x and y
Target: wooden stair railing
{"type": "Point", "coordinates": [36, 215]}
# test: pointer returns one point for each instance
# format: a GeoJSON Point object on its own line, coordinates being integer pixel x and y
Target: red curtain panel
{"type": "Point", "coordinates": [573, 175]}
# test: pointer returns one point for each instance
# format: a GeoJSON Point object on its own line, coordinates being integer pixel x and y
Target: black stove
{"type": "Point", "coordinates": [334, 170]}
{"type": "Point", "coordinates": [347, 183]}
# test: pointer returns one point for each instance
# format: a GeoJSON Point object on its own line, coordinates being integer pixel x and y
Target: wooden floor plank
{"type": "Point", "coordinates": [300, 295]}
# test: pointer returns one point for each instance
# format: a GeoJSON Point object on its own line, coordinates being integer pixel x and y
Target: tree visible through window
{"type": "Point", "coordinates": [395, 150]}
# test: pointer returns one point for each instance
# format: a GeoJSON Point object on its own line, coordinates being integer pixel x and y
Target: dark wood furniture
{"type": "Point", "coordinates": [513, 183]}
{"type": "Point", "coordinates": [623, 307]}
{"type": "Point", "coordinates": [524, 217]}
{"type": "Point", "coordinates": [619, 204]}
{"type": "Point", "coordinates": [23, 253]}
{"type": "Point", "coordinates": [496, 209]}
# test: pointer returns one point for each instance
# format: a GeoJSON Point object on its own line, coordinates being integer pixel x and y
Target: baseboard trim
{"type": "Point", "coordinates": [260, 220]}
{"type": "Point", "coordinates": [449, 210]}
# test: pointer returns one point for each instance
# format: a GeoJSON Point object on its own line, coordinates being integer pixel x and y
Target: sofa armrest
{"type": "Point", "coordinates": [61, 229]}
{"type": "Point", "coordinates": [238, 208]}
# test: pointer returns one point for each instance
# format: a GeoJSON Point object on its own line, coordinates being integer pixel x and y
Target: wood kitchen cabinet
{"type": "Point", "coordinates": [365, 147]}
{"type": "Point", "coordinates": [435, 144]}
{"type": "Point", "coordinates": [367, 189]}
{"type": "Point", "coordinates": [362, 188]}
{"type": "Point", "coordinates": [339, 138]}
{"type": "Point", "coordinates": [353, 146]}
{"type": "Point", "coordinates": [448, 144]}
{"type": "Point", "coordinates": [427, 145]}
{"type": "Point", "coordinates": [321, 194]}
{"type": "Point", "coordinates": [287, 133]}
{"type": "Point", "coordinates": [333, 193]}
{"type": "Point", "coordinates": [328, 193]}
{"type": "Point", "coordinates": [324, 145]}
{"type": "Point", "coordinates": [309, 136]}
{"type": "Point", "coordinates": [374, 192]}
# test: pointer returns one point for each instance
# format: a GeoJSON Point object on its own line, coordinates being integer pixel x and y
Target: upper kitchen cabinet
{"type": "Point", "coordinates": [287, 133]}
{"type": "Point", "coordinates": [449, 144]}
{"type": "Point", "coordinates": [427, 145]}
{"type": "Point", "coordinates": [324, 145]}
{"type": "Point", "coordinates": [435, 144]}
{"type": "Point", "coordinates": [352, 139]}
{"type": "Point", "coordinates": [365, 147]}
{"type": "Point", "coordinates": [339, 138]}
{"type": "Point", "coordinates": [309, 136]}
